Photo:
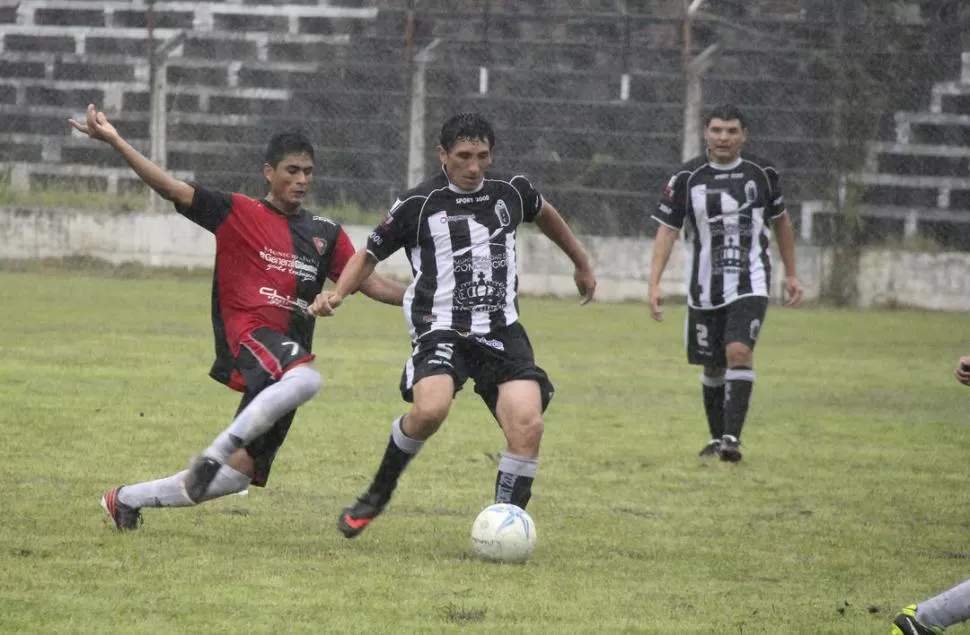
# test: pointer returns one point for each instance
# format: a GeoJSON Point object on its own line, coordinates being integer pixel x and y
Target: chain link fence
{"type": "Point", "coordinates": [863, 104]}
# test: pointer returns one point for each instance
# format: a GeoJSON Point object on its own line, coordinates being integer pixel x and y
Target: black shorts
{"type": "Point", "coordinates": [707, 332]}
{"type": "Point", "coordinates": [264, 355]}
{"type": "Point", "coordinates": [490, 360]}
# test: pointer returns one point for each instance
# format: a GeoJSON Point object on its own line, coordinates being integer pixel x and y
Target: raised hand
{"type": "Point", "coordinates": [96, 125]}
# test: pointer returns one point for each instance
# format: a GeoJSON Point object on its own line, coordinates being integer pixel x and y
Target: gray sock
{"type": "Point", "coordinates": [168, 491]}
{"type": "Point", "coordinates": [946, 609]}
{"type": "Point", "coordinates": [294, 389]}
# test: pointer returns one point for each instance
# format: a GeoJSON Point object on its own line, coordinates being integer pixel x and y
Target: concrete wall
{"type": "Point", "coordinates": [932, 281]}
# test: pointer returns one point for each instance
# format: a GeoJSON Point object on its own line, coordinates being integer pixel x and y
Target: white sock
{"type": "Point", "coordinates": [168, 491]}
{"type": "Point", "coordinates": [295, 388]}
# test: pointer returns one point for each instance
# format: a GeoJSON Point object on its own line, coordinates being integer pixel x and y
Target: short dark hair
{"type": "Point", "coordinates": [285, 143]}
{"type": "Point", "coordinates": [468, 126]}
{"type": "Point", "coordinates": [727, 112]}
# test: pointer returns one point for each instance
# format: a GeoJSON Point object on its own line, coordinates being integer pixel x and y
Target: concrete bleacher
{"type": "Point", "coordinates": [922, 177]}
{"type": "Point", "coordinates": [340, 70]}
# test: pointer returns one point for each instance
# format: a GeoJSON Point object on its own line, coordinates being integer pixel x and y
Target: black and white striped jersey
{"type": "Point", "coordinates": [726, 209]}
{"type": "Point", "coordinates": [461, 246]}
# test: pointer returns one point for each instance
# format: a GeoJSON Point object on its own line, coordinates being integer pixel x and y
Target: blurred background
{"type": "Point", "coordinates": [863, 104]}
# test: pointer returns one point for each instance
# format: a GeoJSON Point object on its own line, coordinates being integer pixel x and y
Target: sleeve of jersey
{"type": "Point", "coordinates": [393, 231]}
{"type": "Point", "coordinates": [531, 199]}
{"type": "Point", "coordinates": [342, 252]}
{"type": "Point", "coordinates": [209, 208]}
{"type": "Point", "coordinates": [672, 207]}
{"type": "Point", "coordinates": [776, 204]}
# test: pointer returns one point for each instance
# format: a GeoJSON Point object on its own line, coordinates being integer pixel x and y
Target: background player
{"type": "Point", "coordinates": [272, 259]}
{"type": "Point", "coordinates": [458, 229]}
{"type": "Point", "coordinates": [727, 201]}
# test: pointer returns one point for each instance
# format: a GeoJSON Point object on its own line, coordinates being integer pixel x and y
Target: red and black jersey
{"type": "Point", "coordinates": [269, 268]}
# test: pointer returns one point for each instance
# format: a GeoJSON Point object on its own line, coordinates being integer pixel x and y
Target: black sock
{"type": "Point", "coordinates": [713, 388]}
{"type": "Point", "coordinates": [398, 453]}
{"type": "Point", "coordinates": [513, 483]}
{"type": "Point", "coordinates": [739, 382]}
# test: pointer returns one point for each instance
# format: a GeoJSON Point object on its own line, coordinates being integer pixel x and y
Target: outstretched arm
{"type": "Point", "coordinates": [552, 225]}
{"type": "Point", "coordinates": [377, 287]}
{"type": "Point", "coordinates": [98, 127]}
{"type": "Point", "coordinates": [358, 269]}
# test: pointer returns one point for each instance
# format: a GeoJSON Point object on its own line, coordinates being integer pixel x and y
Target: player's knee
{"type": "Point", "coordinates": [425, 418]}
{"type": "Point", "coordinates": [738, 354]}
{"type": "Point", "coordinates": [534, 429]}
{"type": "Point", "coordinates": [306, 380]}
{"type": "Point", "coordinates": [525, 434]}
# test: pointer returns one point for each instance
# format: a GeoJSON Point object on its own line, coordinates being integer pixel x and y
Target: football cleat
{"type": "Point", "coordinates": [730, 449]}
{"type": "Point", "coordinates": [125, 518]}
{"type": "Point", "coordinates": [710, 450]}
{"type": "Point", "coordinates": [202, 471]}
{"type": "Point", "coordinates": [907, 624]}
{"type": "Point", "coordinates": [355, 518]}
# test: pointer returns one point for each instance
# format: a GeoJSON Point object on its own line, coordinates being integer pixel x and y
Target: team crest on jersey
{"type": "Point", "coordinates": [502, 212]}
{"type": "Point", "coordinates": [750, 192]}
{"type": "Point", "coordinates": [320, 244]}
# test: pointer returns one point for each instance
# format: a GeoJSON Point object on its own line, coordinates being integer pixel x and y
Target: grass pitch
{"type": "Point", "coordinates": [851, 500]}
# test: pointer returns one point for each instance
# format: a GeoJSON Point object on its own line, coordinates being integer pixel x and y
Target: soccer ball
{"type": "Point", "coordinates": [504, 533]}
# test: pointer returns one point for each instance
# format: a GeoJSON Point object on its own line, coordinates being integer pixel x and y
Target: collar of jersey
{"type": "Point", "coordinates": [275, 209]}
{"type": "Point", "coordinates": [454, 188]}
{"type": "Point", "coordinates": [720, 166]}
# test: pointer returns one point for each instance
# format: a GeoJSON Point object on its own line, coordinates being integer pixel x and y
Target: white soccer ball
{"type": "Point", "coordinates": [504, 533]}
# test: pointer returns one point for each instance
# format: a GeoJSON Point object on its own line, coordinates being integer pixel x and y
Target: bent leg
{"type": "Point", "coordinates": [432, 399]}
{"type": "Point", "coordinates": [519, 413]}
{"type": "Point", "coordinates": [232, 477]}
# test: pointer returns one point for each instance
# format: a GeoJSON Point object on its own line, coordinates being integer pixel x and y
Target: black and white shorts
{"type": "Point", "coordinates": [708, 331]}
{"type": "Point", "coordinates": [503, 355]}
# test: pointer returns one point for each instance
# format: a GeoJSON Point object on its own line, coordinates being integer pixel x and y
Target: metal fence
{"type": "Point", "coordinates": [863, 104]}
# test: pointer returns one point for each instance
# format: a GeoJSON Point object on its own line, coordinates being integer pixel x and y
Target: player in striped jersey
{"type": "Point", "coordinates": [458, 230]}
{"type": "Point", "coordinates": [725, 202]}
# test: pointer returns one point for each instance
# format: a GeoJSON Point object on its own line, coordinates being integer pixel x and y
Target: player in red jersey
{"type": "Point", "coordinates": [272, 259]}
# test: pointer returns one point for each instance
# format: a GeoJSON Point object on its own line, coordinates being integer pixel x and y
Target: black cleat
{"type": "Point", "coordinates": [202, 471]}
{"type": "Point", "coordinates": [710, 450]}
{"type": "Point", "coordinates": [355, 518]}
{"type": "Point", "coordinates": [730, 449]}
{"type": "Point", "coordinates": [125, 518]}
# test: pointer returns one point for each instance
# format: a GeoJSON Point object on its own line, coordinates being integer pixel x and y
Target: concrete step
{"type": "Point", "coordinates": [199, 16]}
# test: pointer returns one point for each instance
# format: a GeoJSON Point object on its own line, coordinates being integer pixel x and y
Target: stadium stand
{"type": "Point", "coordinates": [341, 70]}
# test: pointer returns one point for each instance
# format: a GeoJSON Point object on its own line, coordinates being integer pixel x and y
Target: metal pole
{"type": "Point", "coordinates": [694, 68]}
{"type": "Point", "coordinates": [158, 108]}
{"type": "Point", "coordinates": [483, 69]}
{"type": "Point", "coordinates": [416, 149]}
{"type": "Point", "coordinates": [154, 200]}
{"type": "Point", "coordinates": [625, 77]}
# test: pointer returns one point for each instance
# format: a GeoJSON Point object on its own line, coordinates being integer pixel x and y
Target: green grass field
{"type": "Point", "coordinates": [851, 501]}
